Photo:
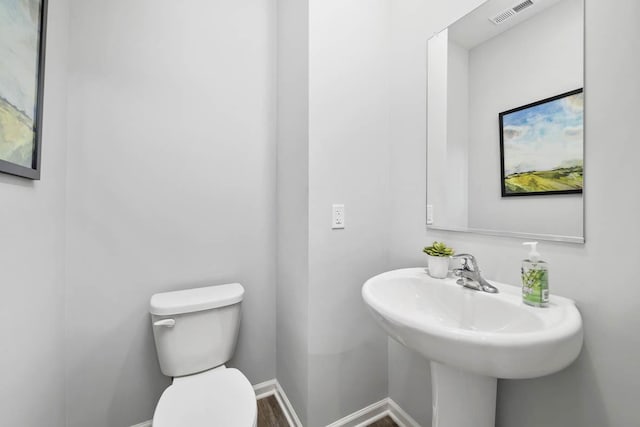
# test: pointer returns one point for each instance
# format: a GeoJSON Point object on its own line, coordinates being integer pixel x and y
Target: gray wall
{"type": "Point", "coordinates": [600, 388]}
{"type": "Point", "coordinates": [293, 202]}
{"type": "Point", "coordinates": [333, 135]}
{"type": "Point", "coordinates": [546, 52]}
{"type": "Point", "coordinates": [171, 184]}
{"type": "Point", "coordinates": [456, 175]}
{"type": "Point", "coordinates": [348, 163]}
{"type": "Point", "coordinates": [32, 245]}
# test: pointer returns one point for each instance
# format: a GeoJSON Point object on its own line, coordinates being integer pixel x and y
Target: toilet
{"type": "Point", "coordinates": [196, 331]}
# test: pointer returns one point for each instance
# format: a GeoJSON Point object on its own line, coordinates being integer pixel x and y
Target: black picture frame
{"type": "Point", "coordinates": [34, 171]}
{"type": "Point", "coordinates": [501, 116]}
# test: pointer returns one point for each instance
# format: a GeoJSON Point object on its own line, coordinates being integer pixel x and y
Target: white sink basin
{"type": "Point", "coordinates": [472, 336]}
{"type": "Point", "coordinates": [487, 334]}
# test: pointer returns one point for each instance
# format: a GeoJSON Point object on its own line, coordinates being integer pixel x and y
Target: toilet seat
{"type": "Point", "coordinates": [218, 397]}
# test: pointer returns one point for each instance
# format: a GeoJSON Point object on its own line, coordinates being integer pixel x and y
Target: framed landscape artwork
{"type": "Point", "coordinates": [22, 47]}
{"type": "Point", "coordinates": [541, 145]}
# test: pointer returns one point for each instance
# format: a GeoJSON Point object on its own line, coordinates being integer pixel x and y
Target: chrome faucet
{"type": "Point", "coordinates": [469, 275]}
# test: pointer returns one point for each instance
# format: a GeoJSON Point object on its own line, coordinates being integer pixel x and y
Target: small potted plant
{"type": "Point", "coordinates": [439, 254]}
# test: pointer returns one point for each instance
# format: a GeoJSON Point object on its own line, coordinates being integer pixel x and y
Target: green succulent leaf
{"type": "Point", "coordinates": [438, 249]}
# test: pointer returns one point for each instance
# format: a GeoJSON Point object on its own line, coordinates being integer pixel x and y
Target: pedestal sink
{"type": "Point", "coordinates": [472, 338]}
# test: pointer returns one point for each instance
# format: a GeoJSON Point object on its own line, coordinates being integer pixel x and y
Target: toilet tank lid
{"type": "Point", "coordinates": [198, 299]}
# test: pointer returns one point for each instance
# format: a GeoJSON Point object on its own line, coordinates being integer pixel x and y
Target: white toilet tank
{"type": "Point", "coordinates": [196, 329]}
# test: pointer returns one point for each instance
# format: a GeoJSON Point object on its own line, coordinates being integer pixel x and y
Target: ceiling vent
{"type": "Point", "coordinates": [512, 11]}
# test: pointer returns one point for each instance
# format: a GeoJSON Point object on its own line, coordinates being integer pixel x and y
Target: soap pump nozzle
{"type": "Point", "coordinates": [534, 255]}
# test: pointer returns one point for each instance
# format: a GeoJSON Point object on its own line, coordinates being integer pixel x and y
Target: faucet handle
{"type": "Point", "coordinates": [466, 258]}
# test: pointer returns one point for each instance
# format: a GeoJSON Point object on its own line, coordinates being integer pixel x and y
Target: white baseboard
{"type": "Point", "coordinates": [286, 406]}
{"type": "Point", "coordinates": [265, 389]}
{"type": "Point", "coordinates": [399, 416]}
{"type": "Point", "coordinates": [271, 388]}
{"type": "Point", "coordinates": [361, 418]}
{"type": "Point", "coordinates": [364, 416]}
{"type": "Point", "coordinates": [375, 412]}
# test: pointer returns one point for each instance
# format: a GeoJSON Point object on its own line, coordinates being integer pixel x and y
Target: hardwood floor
{"type": "Point", "coordinates": [270, 415]}
{"type": "Point", "coordinates": [385, 422]}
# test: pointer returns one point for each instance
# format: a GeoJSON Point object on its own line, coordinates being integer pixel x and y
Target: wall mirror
{"type": "Point", "coordinates": [505, 121]}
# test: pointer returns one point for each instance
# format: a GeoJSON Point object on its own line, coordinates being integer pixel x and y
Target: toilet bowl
{"type": "Point", "coordinates": [195, 332]}
{"type": "Point", "coordinates": [218, 397]}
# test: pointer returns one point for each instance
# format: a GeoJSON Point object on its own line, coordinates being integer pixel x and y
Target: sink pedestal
{"type": "Point", "coordinates": [462, 399]}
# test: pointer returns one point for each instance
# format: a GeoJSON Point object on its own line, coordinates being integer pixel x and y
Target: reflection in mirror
{"type": "Point", "coordinates": [478, 69]}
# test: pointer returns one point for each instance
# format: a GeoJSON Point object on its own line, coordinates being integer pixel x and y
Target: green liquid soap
{"type": "Point", "coordinates": [535, 279]}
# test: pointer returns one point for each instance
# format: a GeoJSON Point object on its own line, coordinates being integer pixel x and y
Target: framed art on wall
{"type": "Point", "coordinates": [22, 52]}
{"type": "Point", "coordinates": [542, 146]}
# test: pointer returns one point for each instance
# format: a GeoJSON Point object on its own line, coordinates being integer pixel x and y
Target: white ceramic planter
{"type": "Point", "coordinates": [438, 266]}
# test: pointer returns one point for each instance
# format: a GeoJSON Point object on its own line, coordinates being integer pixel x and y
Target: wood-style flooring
{"type": "Point", "coordinates": [270, 415]}
{"type": "Point", "coordinates": [385, 422]}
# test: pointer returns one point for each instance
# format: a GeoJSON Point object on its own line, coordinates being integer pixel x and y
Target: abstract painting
{"type": "Point", "coordinates": [541, 145]}
{"type": "Point", "coordinates": [22, 46]}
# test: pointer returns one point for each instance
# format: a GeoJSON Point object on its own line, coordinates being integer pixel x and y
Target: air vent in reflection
{"type": "Point", "coordinates": [512, 11]}
{"type": "Point", "coordinates": [523, 5]}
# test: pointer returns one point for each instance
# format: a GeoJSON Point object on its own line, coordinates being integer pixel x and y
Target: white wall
{"type": "Point", "coordinates": [457, 172]}
{"type": "Point", "coordinates": [413, 22]}
{"type": "Point", "coordinates": [292, 295]}
{"type": "Point", "coordinates": [537, 59]}
{"type": "Point", "coordinates": [348, 163]}
{"type": "Point", "coordinates": [333, 136]}
{"type": "Point", "coordinates": [171, 184]}
{"type": "Point", "coordinates": [32, 260]}
{"type": "Point", "coordinates": [437, 77]}
{"type": "Point", "coordinates": [599, 389]}
{"type": "Point", "coordinates": [448, 106]}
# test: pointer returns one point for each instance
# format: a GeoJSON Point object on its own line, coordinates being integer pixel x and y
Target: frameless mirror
{"type": "Point", "coordinates": [505, 121]}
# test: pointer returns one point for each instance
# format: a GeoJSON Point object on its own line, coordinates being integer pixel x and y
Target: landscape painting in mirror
{"type": "Point", "coordinates": [22, 48]}
{"type": "Point", "coordinates": [541, 145]}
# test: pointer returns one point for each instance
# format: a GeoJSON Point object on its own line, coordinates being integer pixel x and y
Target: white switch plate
{"type": "Point", "coordinates": [337, 216]}
{"type": "Point", "coordinates": [429, 214]}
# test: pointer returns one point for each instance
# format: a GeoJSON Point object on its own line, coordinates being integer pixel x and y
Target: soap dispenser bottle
{"type": "Point", "coordinates": [535, 278]}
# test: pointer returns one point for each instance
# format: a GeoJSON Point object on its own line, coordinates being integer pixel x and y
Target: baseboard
{"type": "Point", "coordinates": [273, 388]}
{"type": "Point", "coordinates": [265, 389]}
{"type": "Point", "coordinates": [375, 412]}
{"type": "Point", "coordinates": [286, 406]}
{"type": "Point", "coordinates": [360, 418]}
{"type": "Point", "coordinates": [399, 416]}
{"type": "Point", "coordinates": [364, 416]}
